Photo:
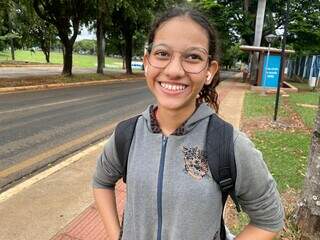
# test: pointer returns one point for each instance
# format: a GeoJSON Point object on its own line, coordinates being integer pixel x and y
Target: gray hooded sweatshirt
{"type": "Point", "coordinates": [171, 194]}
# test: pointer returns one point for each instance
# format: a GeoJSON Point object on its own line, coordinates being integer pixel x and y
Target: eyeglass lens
{"type": "Point", "coordinates": [193, 60]}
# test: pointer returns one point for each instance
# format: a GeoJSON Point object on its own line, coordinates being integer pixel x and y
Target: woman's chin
{"type": "Point", "coordinates": [175, 105]}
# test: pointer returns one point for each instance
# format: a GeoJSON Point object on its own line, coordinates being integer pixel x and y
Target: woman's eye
{"type": "Point", "coordinates": [193, 57]}
{"type": "Point", "coordinates": [162, 54]}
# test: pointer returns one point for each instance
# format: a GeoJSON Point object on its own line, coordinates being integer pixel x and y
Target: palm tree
{"type": "Point", "coordinates": [309, 207]}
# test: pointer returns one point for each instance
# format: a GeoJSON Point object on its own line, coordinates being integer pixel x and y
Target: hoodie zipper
{"type": "Point", "coordinates": [160, 184]}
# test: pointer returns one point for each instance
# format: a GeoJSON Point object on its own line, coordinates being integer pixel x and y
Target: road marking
{"type": "Point", "coordinates": [21, 186]}
{"type": "Point", "coordinates": [18, 188]}
{"type": "Point", "coordinates": [51, 104]}
{"type": "Point", "coordinates": [29, 162]}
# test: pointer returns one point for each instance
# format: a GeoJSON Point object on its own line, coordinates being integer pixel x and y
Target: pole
{"type": "Point", "coordinates": [267, 63]}
{"type": "Point", "coordinates": [282, 61]}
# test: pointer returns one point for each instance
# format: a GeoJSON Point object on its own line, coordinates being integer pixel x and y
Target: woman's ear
{"type": "Point", "coordinates": [212, 70]}
{"type": "Point", "coordinates": [145, 64]}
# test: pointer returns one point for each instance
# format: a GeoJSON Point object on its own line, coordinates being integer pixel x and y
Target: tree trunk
{"type": "Point", "coordinates": [257, 39]}
{"type": "Point", "coordinates": [12, 50]}
{"type": "Point", "coordinates": [123, 63]}
{"type": "Point", "coordinates": [101, 45]}
{"type": "Point", "coordinates": [46, 50]}
{"type": "Point", "coordinates": [128, 51]}
{"type": "Point", "coordinates": [67, 59]}
{"type": "Point", "coordinates": [246, 5]}
{"type": "Point", "coordinates": [309, 208]}
{"type": "Point", "coordinates": [254, 68]}
{"type": "Point", "coordinates": [47, 54]}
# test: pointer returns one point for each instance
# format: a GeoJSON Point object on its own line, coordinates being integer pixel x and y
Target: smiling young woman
{"type": "Point", "coordinates": [178, 65]}
{"type": "Point", "coordinates": [171, 194]}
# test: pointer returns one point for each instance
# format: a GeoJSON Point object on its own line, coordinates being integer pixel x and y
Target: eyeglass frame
{"type": "Point", "coordinates": [149, 48]}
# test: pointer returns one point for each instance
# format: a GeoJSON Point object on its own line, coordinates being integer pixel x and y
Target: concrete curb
{"type": "Point", "coordinates": [65, 85]}
{"type": "Point", "coordinates": [290, 88]}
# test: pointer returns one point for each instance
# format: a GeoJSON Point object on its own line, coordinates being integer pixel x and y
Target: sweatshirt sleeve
{"type": "Point", "coordinates": [108, 168]}
{"type": "Point", "coordinates": [255, 187]}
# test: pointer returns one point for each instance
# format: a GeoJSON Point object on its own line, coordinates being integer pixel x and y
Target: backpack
{"type": "Point", "coordinates": [219, 149]}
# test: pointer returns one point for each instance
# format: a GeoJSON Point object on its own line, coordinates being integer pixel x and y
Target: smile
{"type": "Point", "coordinates": [173, 87]}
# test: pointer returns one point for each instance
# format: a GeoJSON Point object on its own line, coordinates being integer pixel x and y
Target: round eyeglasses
{"type": "Point", "coordinates": [192, 60]}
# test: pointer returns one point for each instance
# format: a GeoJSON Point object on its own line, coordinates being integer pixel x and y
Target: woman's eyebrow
{"type": "Point", "coordinates": [189, 48]}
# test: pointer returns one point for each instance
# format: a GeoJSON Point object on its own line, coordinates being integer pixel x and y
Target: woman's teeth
{"type": "Point", "coordinates": [173, 87]}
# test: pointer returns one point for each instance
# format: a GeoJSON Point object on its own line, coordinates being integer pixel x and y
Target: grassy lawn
{"type": "Point", "coordinates": [84, 77]}
{"type": "Point", "coordinates": [56, 58]}
{"type": "Point", "coordinates": [285, 154]}
{"type": "Point", "coordinates": [307, 113]}
{"type": "Point", "coordinates": [285, 145]}
{"type": "Point", "coordinates": [303, 86]}
{"type": "Point", "coordinates": [113, 69]}
{"type": "Point", "coordinates": [257, 105]}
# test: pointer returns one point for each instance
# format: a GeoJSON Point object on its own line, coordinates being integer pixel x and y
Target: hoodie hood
{"type": "Point", "coordinates": [203, 111]}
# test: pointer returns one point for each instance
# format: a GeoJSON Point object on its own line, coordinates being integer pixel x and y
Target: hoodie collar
{"type": "Point", "coordinates": [202, 111]}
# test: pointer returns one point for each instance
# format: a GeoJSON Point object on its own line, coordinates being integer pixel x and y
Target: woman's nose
{"type": "Point", "coordinates": [174, 69]}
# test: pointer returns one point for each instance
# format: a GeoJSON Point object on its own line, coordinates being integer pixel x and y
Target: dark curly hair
{"type": "Point", "coordinates": [208, 93]}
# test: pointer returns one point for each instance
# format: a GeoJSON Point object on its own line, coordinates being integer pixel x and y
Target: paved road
{"type": "Point", "coordinates": [39, 127]}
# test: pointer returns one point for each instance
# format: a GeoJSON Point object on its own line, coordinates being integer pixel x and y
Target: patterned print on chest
{"type": "Point", "coordinates": [195, 162]}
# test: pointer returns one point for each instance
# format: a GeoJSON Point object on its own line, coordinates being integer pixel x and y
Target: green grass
{"type": "Point", "coordinates": [286, 155]}
{"type": "Point", "coordinates": [308, 115]}
{"type": "Point", "coordinates": [30, 81]}
{"type": "Point", "coordinates": [56, 58]}
{"type": "Point", "coordinates": [301, 86]}
{"type": "Point", "coordinates": [256, 105]}
{"type": "Point", "coordinates": [285, 152]}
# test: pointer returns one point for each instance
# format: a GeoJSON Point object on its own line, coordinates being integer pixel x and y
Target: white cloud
{"type": "Point", "coordinates": [86, 34]}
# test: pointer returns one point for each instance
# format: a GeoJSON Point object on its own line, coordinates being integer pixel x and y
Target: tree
{"type": "Point", "coordinates": [66, 16]}
{"type": "Point", "coordinates": [257, 39]}
{"type": "Point", "coordinates": [304, 26]}
{"type": "Point", "coordinates": [85, 46]}
{"type": "Point", "coordinates": [103, 20]}
{"type": "Point", "coordinates": [8, 28]}
{"type": "Point", "coordinates": [235, 21]}
{"type": "Point", "coordinates": [309, 208]}
{"type": "Point", "coordinates": [220, 16]}
{"type": "Point", "coordinates": [130, 16]}
{"type": "Point", "coordinates": [34, 30]}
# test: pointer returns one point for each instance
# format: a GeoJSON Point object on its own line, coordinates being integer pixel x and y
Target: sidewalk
{"type": "Point", "coordinates": [58, 205]}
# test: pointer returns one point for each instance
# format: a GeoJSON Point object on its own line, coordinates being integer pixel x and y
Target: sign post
{"type": "Point", "coordinates": [282, 62]}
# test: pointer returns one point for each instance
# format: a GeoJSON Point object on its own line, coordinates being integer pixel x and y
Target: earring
{"type": "Point", "coordinates": [208, 78]}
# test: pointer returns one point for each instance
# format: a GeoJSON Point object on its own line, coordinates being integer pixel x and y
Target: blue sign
{"type": "Point", "coordinates": [271, 71]}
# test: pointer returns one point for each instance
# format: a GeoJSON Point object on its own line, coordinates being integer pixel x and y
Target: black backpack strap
{"type": "Point", "coordinates": [123, 137]}
{"type": "Point", "coordinates": [221, 161]}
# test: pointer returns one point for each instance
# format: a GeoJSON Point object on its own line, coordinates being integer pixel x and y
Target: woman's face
{"type": "Point", "coordinates": [173, 86]}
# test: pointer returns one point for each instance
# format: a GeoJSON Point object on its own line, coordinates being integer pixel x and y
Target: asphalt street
{"type": "Point", "coordinates": [39, 127]}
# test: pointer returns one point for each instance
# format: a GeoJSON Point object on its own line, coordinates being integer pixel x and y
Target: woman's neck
{"type": "Point", "coordinates": [169, 120]}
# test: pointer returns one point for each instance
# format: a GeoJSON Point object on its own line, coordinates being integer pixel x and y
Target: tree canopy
{"type": "Point", "coordinates": [122, 26]}
{"type": "Point", "coordinates": [66, 16]}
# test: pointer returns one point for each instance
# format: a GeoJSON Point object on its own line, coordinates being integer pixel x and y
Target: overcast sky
{"type": "Point", "coordinates": [85, 34]}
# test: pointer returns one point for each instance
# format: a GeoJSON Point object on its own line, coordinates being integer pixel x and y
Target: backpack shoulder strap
{"type": "Point", "coordinates": [221, 161]}
{"type": "Point", "coordinates": [123, 137]}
